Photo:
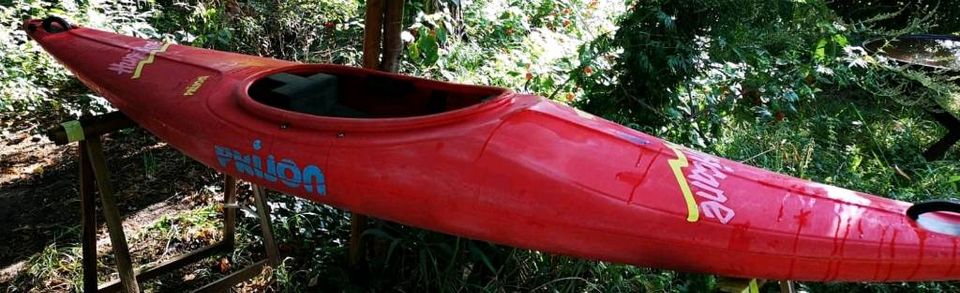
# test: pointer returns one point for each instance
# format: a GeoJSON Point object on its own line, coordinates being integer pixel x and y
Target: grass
{"type": "Point", "coordinates": [56, 267]}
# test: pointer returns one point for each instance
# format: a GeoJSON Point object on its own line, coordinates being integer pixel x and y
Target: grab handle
{"type": "Point", "coordinates": [940, 205]}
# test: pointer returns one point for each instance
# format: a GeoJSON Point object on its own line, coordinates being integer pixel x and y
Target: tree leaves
{"type": "Point", "coordinates": [425, 50]}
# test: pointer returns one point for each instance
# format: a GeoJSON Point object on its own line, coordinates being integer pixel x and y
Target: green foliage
{"type": "Point", "coordinates": [298, 30]}
{"type": "Point", "coordinates": [31, 81]}
{"type": "Point", "coordinates": [684, 68]}
{"type": "Point", "coordinates": [56, 267]}
{"type": "Point", "coordinates": [27, 76]}
{"type": "Point", "coordinates": [425, 51]}
{"type": "Point", "coordinates": [688, 69]}
{"type": "Point", "coordinates": [909, 86]}
{"type": "Point", "coordinates": [526, 45]}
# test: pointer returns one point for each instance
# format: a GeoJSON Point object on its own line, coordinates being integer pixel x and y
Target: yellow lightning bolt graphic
{"type": "Point", "coordinates": [693, 212]}
{"type": "Point", "coordinates": [148, 60]}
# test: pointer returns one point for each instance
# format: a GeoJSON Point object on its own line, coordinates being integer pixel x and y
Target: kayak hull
{"type": "Point", "coordinates": [514, 169]}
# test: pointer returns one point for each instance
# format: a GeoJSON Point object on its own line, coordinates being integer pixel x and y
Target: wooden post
{"type": "Point", "coordinates": [88, 221]}
{"type": "Point", "coordinates": [382, 26]}
{"type": "Point", "coordinates": [373, 25]}
{"type": "Point", "coordinates": [392, 44]}
{"type": "Point", "coordinates": [358, 223]}
{"type": "Point", "coordinates": [128, 279]}
{"type": "Point", "coordinates": [372, 34]}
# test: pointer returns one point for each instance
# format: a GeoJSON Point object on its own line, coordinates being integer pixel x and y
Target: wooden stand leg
{"type": "Point", "coordinates": [273, 254]}
{"type": "Point", "coordinates": [787, 287]}
{"type": "Point", "coordinates": [111, 215]}
{"type": "Point", "coordinates": [358, 223]}
{"type": "Point", "coordinates": [225, 245]}
{"type": "Point", "coordinates": [88, 214]}
{"type": "Point", "coordinates": [229, 211]}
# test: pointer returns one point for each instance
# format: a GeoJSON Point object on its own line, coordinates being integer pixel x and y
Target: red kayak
{"type": "Point", "coordinates": [489, 164]}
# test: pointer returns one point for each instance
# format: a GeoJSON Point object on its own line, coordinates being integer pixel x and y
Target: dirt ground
{"type": "Point", "coordinates": [39, 197]}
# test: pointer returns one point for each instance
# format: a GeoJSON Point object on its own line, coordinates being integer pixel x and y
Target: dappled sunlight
{"type": "Point", "coordinates": [8, 272]}
{"type": "Point", "coordinates": [41, 202]}
{"type": "Point", "coordinates": [842, 195]}
{"type": "Point", "coordinates": [849, 209]}
{"type": "Point", "coordinates": [28, 159]}
{"type": "Point", "coordinates": [952, 102]}
{"type": "Point", "coordinates": [154, 234]}
{"type": "Point", "coordinates": [940, 223]}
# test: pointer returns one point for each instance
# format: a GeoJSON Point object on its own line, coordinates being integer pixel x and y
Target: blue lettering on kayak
{"type": "Point", "coordinates": [310, 177]}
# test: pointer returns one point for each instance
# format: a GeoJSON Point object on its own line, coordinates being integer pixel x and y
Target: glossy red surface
{"type": "Point", "coordinates": [517, 169]}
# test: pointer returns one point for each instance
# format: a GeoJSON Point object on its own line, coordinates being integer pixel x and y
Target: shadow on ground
{"type": "Point", "coordinates": [39, 191]}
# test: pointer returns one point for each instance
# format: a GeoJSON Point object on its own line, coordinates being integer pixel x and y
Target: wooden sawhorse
{"type": "Point", "coordinates": [95, 176]}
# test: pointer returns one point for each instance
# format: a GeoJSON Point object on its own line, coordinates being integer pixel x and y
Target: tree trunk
{"type": "Point", "coordinates": [392, 44]}
{"type": "Point", "coordinates": [373, 24]}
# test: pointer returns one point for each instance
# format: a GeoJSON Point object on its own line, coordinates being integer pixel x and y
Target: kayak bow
{"type": "Point", "coordinates": [489, 164]}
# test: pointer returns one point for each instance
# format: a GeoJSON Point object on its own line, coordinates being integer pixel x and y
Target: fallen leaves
{"type": "Point", "coordinates": [224, 265]}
